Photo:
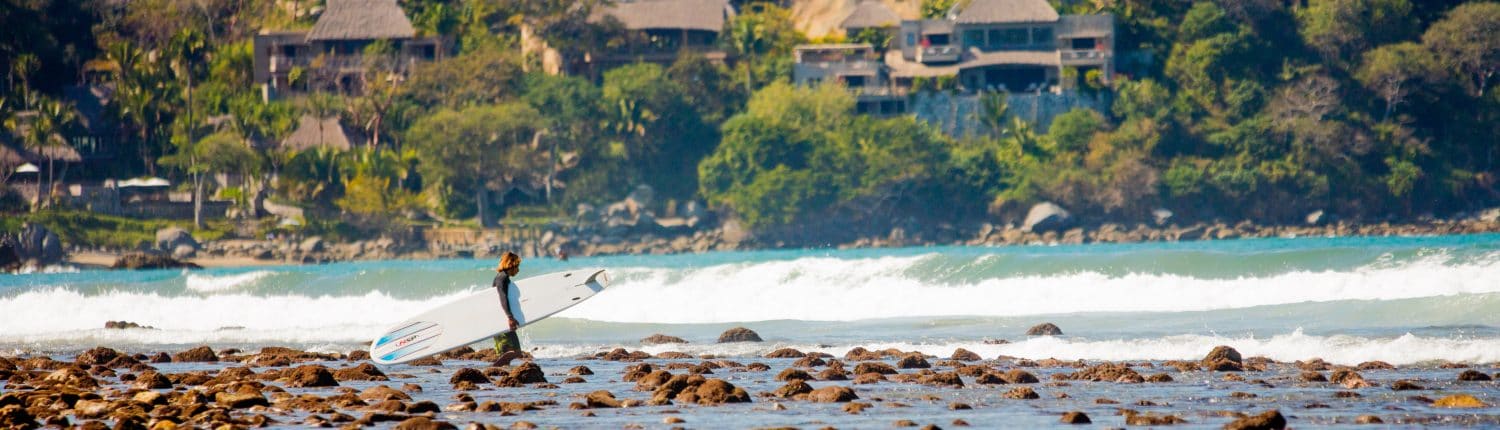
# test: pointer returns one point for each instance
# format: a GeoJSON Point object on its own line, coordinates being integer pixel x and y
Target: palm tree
{"type": "Point", "coordinates": [44, 137]}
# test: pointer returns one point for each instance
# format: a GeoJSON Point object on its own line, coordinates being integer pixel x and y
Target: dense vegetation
{"type": "Point", "coordinates": [1232, 110]}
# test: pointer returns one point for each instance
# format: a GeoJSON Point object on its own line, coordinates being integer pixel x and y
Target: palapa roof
{"type": "Point", "coordinates": [870, 14]}
{"type": "Point", "coordinates": [328, 132]}
{"type": "Point", "coordinates": [706, 15]}
{"type": "Point", "coordinates": [362, 20]}
{"type": "Point", "coordinates": [1007, 11]}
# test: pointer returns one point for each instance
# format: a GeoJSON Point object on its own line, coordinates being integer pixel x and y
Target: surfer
{"type": "Point", "coordinates": [507, 345]}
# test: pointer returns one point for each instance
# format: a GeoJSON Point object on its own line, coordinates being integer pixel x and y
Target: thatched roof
{"type": "Point", "coordinates": [870, 14]}
{"type": "Point", "coordinates": [362, 20]}
{"type": "Point", "coordinates": [707, 15]}
{"type": "Point", "coordinates": [1007, 11]}
{"type": "Point", "coordinates": [328, 132]}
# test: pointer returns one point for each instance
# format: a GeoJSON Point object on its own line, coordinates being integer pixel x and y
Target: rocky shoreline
{"type": "Point", "coordinates": [782, 388]}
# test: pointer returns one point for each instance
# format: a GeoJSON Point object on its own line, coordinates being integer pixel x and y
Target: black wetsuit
{"type": "Point", "coordinates": [507, 341]}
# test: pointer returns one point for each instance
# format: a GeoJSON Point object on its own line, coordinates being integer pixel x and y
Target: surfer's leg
{"type": "Point", "coordinates": [498, 350]}
{"type": "Point", "coordinates": [508, 345]}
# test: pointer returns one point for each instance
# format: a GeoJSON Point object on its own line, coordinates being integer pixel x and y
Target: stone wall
{"type": "Point", "coordinates": [959, 114]}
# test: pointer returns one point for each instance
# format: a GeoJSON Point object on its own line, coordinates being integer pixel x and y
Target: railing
{"type": "Point", "coordinates": [1084, 54]}
{"type": "Point", "coordinates": [939, 54]}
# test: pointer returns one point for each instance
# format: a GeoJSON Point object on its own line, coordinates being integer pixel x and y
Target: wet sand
{"type": "Point", "coordinates": [288, 388]}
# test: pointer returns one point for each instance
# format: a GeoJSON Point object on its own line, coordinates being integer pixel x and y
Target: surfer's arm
{"type": "Point", "coordinates": [502, 286]}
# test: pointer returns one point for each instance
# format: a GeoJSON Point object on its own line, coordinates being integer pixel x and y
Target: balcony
{"type": "Point", "coordinates": [1087, 56]}
{"type": "Point", "coordinates": [939, 54]}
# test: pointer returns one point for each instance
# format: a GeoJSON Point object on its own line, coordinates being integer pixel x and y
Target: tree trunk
{"type": "Point", "coordinates": [481, 200]}
{"type": "Point", "coordinates": [198, 200]}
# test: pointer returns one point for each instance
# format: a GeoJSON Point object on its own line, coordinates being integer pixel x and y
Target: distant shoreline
{"type": "Point", "coordinates": [240, 255]}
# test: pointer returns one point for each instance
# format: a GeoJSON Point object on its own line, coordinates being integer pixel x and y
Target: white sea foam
{"type": "Point", "coordinates": [1339, 349]}
{"type": "Point", "coordinates": [51, 311]}
{"type": "Point", "coordinates": [221, 283]}
{"type": "Point", "coordinates": [827, 289]}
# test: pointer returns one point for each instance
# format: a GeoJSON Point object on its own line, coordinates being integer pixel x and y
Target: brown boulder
{"type": "Point", "coordinates": [143, 260]}
{"type": "Point", "coordinates": [946, 379]}
{"type": "Point", "coordinates": [793, 374]}
{"type": "Point", "coordinates": [1222, 353]}
{"type": "Point", "coordinates": [786, 353]}
{"type": "Point", "coordinates": [151, 380]}
{"type": "Point", "coordinates": [714, 392]}
{"type": "Point", "coordinates": [1108, 372]}
{"type": "Point", "coordinates": [874, 367]}
{"type": "Point", "coordinates": [739, 334]}
{"type": "Point", "coordinates": [1018, 376]}
{"type": "Point", "coordinates": [1375, 365]}
{"type": "Point", "coordinates": [1472, 375]}
{"type": "Point", "coordinates": [1044, 329]}
{"type": "Point", "coordinates": [1312, 376]}
{"type": "Point", "coordinates": [528, 373]}
{"type": "Point", "coordinates": [965, 355]}
{"type": "Point", "coordinates": [913, 361]}
{"type": "Point", "coordinates": [1133, 418]}
{"type": "Point", "coordinates": [309, 376]}
{"type": "Point", "coordinates": [657, 339]}
{"type": "Point", "coordinates": [809, 361]}
{"type": "Point", "coordinates": [424, 423]}
{"type": "Point", "coordinates": [382, 393]}
{"type": "Point", "coordinates": [1268, 420]}
{"type": "Point", "coordinates": [202, 354]}
{"type": "Point", "coordinates": [834, 374]}
{"type": "Point", "coordinates": [1405, 385]}
{"type": "Point", "coordinates": [580, 371]}
{"type": "Point", "coordinates": [98, 356]}
{"type": "Point", "coordinates": [362, 372]}
{"type": "Point", "coordinates": [1021, 393]}
{"type": "Point", "coordinates": [832, 394]}
{"type": "Point", "coordinates": [990, 378]}
{"type": "Point", "coordinates": [16, 417]}
{"type": "Point", "coordinates": [794, 388]}
{"type": "Point", "coordinates": [1076, 418]}
{"type": "Point", "coordinates": [240, 400]}
{"type": "Point", "coordinates": [470, 375]}
{"type": "Point", "coordinates": [859, 353]}
{"type": "Point", "coordinates": [358, 354]}
{"type": "Point", "coordinates": [1349, 379]}
{"type": "Point", "coordinates": [1459, 401]}
{"type": "Point", "coordinates": [601, 399]}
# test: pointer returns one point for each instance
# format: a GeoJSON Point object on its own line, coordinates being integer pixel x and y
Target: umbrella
{"type": "Point", "coordinates": [28, 168]}
{"type": "Point", "coordinates": [144, 182]}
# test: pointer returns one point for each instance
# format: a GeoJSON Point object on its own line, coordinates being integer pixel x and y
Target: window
{"type": "Point", "coordinates": [938, 39]}
{"type": "Point", "coordinates": [974, 38]}
{"type": "Point", "coordinates": [854, 81]}
{"type": "Point", "coordinates": [911, 39]}
{"type": "Point", "coordinates": [1083, 44]}
{"type": "Point", "coordinates": [995, 38]}
{"type": "Point", "coordinates": [1042, 36]}
{"type": "Point", "coordinates": [1013, 37]}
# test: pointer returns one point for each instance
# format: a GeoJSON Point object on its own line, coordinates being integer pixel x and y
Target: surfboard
{"type": "Point", "coordinates": [479, 316]}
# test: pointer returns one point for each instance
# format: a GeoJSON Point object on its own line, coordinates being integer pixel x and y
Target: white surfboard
{"type": "Point", "coordinates": [479, 315]}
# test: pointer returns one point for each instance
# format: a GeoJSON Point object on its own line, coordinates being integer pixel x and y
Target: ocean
{"type": "Point", "coordinates": [1403, 300]}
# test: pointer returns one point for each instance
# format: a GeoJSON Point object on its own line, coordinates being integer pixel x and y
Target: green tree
{"type": "Point", "coordinates": [1341, 29]}
{"type": "Point", "coordinates": [1394, 71]}
{"type": "Point", "coordinates": [484, 148]}
{"type": "Point", "coordinates": [656, 130]}
{"type": "Point", "coordinates": [1467, 40]}
{"type": "Point", "coordinates": [763, 36]}
{"type": "Point", "coordinates": [571, 107]}
{"type": "Point", "coordinates": [936, 9]}
{"type": "Point", "coordinates": [1072, 131]}
{"type": "Point", "coordinates": [224, 151]}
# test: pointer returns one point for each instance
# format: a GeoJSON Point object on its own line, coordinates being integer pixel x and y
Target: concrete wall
{"type": "Point", "coordinates": [959, 115]}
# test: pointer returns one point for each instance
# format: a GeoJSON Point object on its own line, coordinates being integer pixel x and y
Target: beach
{"type": "Point", "coordinates": [1325, 331]}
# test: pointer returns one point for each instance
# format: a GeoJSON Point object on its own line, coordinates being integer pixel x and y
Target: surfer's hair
{"type": "Point", "coordinates": [508, 261]}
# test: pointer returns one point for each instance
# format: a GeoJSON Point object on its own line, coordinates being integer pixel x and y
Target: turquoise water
{"type": "Point", "coordinates": [1398, 299]}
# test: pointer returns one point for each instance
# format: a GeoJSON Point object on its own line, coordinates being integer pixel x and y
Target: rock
{"type": "Point", "coordinates": [856, 407]}
{"type": "Point", "coordinates": [1108, 372]}
{"type": "Point", "coordinates": [739, 334]}
{"type": "Point", "coordinates": [793, 388]}
{"type": "Point", "coordinates": [792, 374]}
{"type": "Point", "coordinates": [1472, 375]}
{"type": "Point", "coordinates": [202, 354]}
{"type": "Point", "coordinates": [151, 380]}
{"type": "Point", "coordinates": [1315, 218]}
{"type": "Point", "coordinates": [142, 261]}
{"type": "Point", "coordinates": [1134, 418]}
{"type": "Point", "coordinates": [240, 400]}
{"type": "Point", "coordinates": [1368, 419]}
{"type": "Point", "coordinates": [913, 361]}
{"type": "Point", "coordinates": [785, 353]}
{"type": "Point", "coordinates": [528, 373]}
{"type": "Point", "coordinates": [35, 243]}
{"type": "Point", "coordinates": [1375, 365]}
{"type": "Point", "coordinates": [1349, 379]}
{"type": "Point", "coordinates": [1160, 216]}
{"type": "Point", "coordinates": [874, 367]}
{"type": "Point", "coordinates": [1021, 393]}
{"type": "Point", "coordinates": [657, 339]}
{"type": "Point", "coordinates": [1224, 359]}
{"type": "Point", "coordinates": [946, 379]}
{"type": "Point", "coordinates": [309, 376]}
{"type": "Point", "coordinates": [1018, 376]}
{"type": "Point", "coordinates": [580, 371]}
{"type": "Point", "coordinates": [641, 198]}
{"type": "Point", "coordinates": [1046, 216]}
{"type": "Point", "coordinates": [424, 423]}
{"type": "Point", "coordinates": [809, 361]}
{"type": "Point", "coordinates": [989, 378]}
{"type": "Point", "coordinates": [1405, 385]}
{"type": "Point", "coordinates": [1459, 401]}
{"type": "Point", "coordinates": [170, 238]}
{"type": "Point", "coordinates": [1268, 420]}
{"type": "Point", "coordinates": [97, 356]}
{"type": "Point", "coordinates": [362, 372]}
{"type": "Point", "coordinates": [1312, 376]}
{"type": "Point", "coordinates": [1076, 418]}
{"type": "Point", "coordinates": [1044, 329]}
{"type": "Point", "coordinates": [380, 393]}
{"type": "Point", "coordinates": [601, 399]}
{"type": "Point", "coordinates": [184, 252]}
{"type": "Point", "coordinates": [311, 245]}
{"type": "Point", "coordinates": [965, 355]}
{"type": "Point", "coordinates": [832, 394]}
{"type": "Point", "coordinates": [715, 392]}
